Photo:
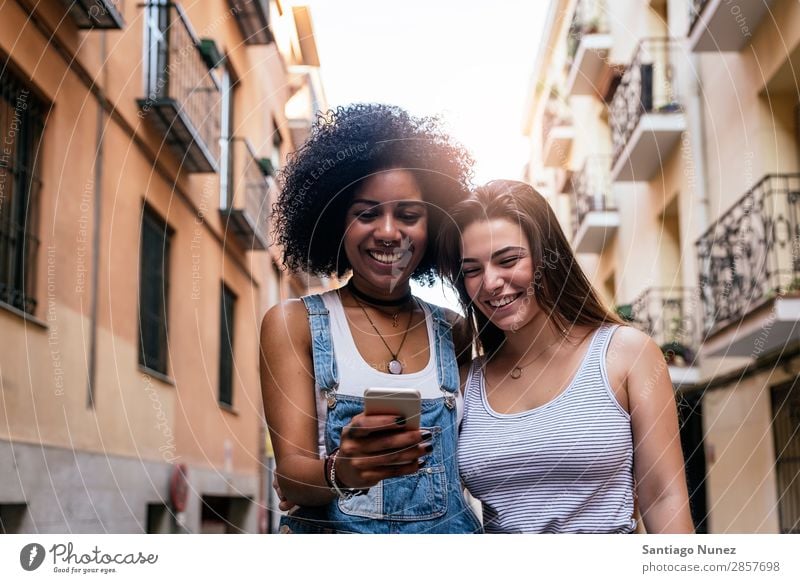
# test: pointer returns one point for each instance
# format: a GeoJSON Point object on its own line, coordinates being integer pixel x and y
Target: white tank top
{"type": "Point", "coordinates": [356, 375]}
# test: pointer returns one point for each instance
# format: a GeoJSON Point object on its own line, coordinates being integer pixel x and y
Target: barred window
{"type": "Point", "coordinates": [154, 291]}
{"type": "Point", "coordinates": [21, 124]}
{"type": "Point", "coordinates": [228, 303]}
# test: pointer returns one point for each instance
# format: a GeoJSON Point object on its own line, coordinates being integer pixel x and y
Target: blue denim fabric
{"type": "Point", "coordinates": [429, 501]}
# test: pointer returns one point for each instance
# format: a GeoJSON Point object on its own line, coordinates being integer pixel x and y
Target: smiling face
{"type": "Point", "coordinates": [498, 272]}
{"type": "Point", "coordinates": [386, 233]}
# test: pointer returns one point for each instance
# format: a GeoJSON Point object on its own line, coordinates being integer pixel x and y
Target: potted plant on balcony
{"type": "Point", "coordinates": [677, 354]}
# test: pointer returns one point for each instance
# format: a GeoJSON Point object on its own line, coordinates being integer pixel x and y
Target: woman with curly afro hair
{"type": "Point", "coordinates": [367, 195]}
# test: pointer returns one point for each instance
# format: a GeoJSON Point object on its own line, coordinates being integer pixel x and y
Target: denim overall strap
{"type": "Point", "coordinates": [325, 373]}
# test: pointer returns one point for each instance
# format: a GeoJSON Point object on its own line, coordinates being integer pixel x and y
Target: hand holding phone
{"type": "Point", "coordinates": [405, 403]}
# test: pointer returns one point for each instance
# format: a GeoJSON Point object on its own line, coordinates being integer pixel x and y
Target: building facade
{"type": "Point", "coordinates": [665, 135]}
{"type": "Point", "coordinates": [137, 159]}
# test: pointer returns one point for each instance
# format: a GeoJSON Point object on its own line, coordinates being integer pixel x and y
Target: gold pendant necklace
{"type": "Point", "coordinates": [394, 366]}
{"type": "Point", "coordinates": [516, 372]}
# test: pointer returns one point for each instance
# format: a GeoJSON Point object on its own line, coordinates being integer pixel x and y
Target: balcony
{"type": "Point", "coordinates": [646, 115]}
{"type": "Point", "coordinates": [671, 317]}
{"type": "Point", "coordinates": [750, 271]}
{"type": "Point", "coordinates": [183, 96]}
{"type": "Point", "coordinates": [595, 219]}
{"type": "Point", "coordinates": [719, 25]}
{"type": "Point", "coordinates": [557, 133]}
{"type": "Point", "coordinates": [588, 48]}
{"type": "Point", "coordinates": [100, 14]}
{"type": "Point", "coordinates": [253, 19]}
{"type": "Point", "coordinates": [246, 209]}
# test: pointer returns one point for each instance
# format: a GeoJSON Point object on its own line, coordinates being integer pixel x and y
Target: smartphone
{"type": "Point", "coordinates": [401, 402]}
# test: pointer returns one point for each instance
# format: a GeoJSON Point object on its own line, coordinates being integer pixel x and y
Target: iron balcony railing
{"type": "Point", "coordinates": [253, 19]}
{"type": "Point", "coordinates": [752, 253]}
{"type": "Point", "coordinates": [649, 85]}
{"type": "Point", "coordinates": [183, 95]}
{"type": "Point", "coordinates": [695, 10]}
{"type": "Point", "coordinates": [590, 17]}
{"type": "Point", "coordinates": [247, 206]}
{"type": "Point", "coordinates": [97, 13]}
{"type": "Point", "coordinates": [593, 192]}
{"type": "Point", "coordinates": [671, 317]}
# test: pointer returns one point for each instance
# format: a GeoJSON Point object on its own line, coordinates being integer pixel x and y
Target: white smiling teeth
{"type": "Point", "coordinates": [504, 301]}
{"type": "Point", "coordinates": [386, 257]}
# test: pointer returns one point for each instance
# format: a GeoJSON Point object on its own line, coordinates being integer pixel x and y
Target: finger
{"type": "Point", "coordinates": [378, 443]}
{"type": "Point", "coordinates": [362, 426]}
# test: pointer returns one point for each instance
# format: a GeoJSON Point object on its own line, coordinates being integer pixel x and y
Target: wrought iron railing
{"type": "Point", "coordinates": [649, 84]}
{"type": "Point", "coordinates": [593, 192]}
{"type": "Point", "coordinates": [253, 19]}
{"type": "Point", "coordinates": [97, 13]}
{"type": "Point", "coordinates": [752, 253]}
{"type": "Point", "coordinates": [179, 79]}
{"type": "Point", "coordinates": [248, 203]}
{"type": "Point", "coordinates": [695, 10]}
{"type": "Point", "coordinates": [590, 17]}
{"type": "Point", "coordinates": [671, 316]}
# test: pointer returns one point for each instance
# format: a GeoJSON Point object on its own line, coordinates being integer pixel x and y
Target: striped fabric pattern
{"type": "Point", "coordinates": [563, 467]}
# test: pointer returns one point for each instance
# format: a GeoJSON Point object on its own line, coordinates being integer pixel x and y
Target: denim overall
{"type": "Point", "coordinates": [429, 501]}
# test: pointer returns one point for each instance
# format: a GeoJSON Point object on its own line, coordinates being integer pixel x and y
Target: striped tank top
{"type": "Point", "coordinates": [565, 466]}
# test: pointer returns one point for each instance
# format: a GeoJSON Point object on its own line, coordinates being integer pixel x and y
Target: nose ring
{"type": "Point", "coordinates": [387, 243]}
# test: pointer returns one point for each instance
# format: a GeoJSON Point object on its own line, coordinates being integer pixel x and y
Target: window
{"type": "Point", "coordinates": [12, 517]}
{"type": "Point", "coordinates": [21, 124]}
{"type": "Point", "coordinates": [226, 346]}
{"type": "Point", "coordinates": [153, 292]}
{"type": "Point", "coordinates": [158, 519]}
{"type": "Point", "coordinates": [277, 142]}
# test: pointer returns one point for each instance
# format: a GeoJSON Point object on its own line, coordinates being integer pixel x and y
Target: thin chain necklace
{"type": "Point", "coordinates": [401, 302]}
{"type": "Point", "coordinates": [394, 366]}
{"type": "Point", "coordinates": [516, 372]}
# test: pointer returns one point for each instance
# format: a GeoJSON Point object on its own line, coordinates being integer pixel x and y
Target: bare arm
{"type": "Point", "coordinates": [658, 459]}
{"type": "Point", "coordinates": [373, 447]}
{"type": "Point", "coordinates": [287, 386]}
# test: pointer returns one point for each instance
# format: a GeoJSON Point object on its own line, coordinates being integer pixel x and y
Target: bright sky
{"type": "Point", "coordinates": [469, 61]}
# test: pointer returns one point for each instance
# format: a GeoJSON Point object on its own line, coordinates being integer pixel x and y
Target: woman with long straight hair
{"type": "Point", "coordinates": [569, 415]}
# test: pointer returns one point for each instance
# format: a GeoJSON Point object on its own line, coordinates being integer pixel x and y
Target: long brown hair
{"type": "Point", "coordinates": [562, 290]}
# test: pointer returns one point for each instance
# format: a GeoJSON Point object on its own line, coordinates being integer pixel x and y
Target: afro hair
{"type": "Point", "coordinates": [346, 146]}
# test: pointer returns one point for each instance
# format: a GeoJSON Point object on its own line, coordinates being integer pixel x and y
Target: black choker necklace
{"type": "Point", "coordinates": [377, 301]}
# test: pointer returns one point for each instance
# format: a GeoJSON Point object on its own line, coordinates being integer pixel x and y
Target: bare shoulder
{"type": "Point", "coordinates": [628, 338]}
{"type": "Point", "coordinates": [631, 353]}
{"type": "Point", "coordinates": [630, 349]}
{"type": "Point", "coordinates": [286, 319]}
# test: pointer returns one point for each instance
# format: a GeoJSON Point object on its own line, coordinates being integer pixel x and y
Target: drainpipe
{"type": "Point", "coordinates": [97, 217]}
{"type": "Point", "coordinates": [700, 206]}
{"type": "Point", "coordinates": [696, 139]}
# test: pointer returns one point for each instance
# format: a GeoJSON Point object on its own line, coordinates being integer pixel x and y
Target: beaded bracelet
{"type": "Point", "coordinates": [330, 478]}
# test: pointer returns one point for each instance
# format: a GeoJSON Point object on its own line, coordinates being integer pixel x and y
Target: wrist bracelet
{"type": "Point", "coordinates": [341, 492]}
{"type": "Point", "coordinates": [326, 469]}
